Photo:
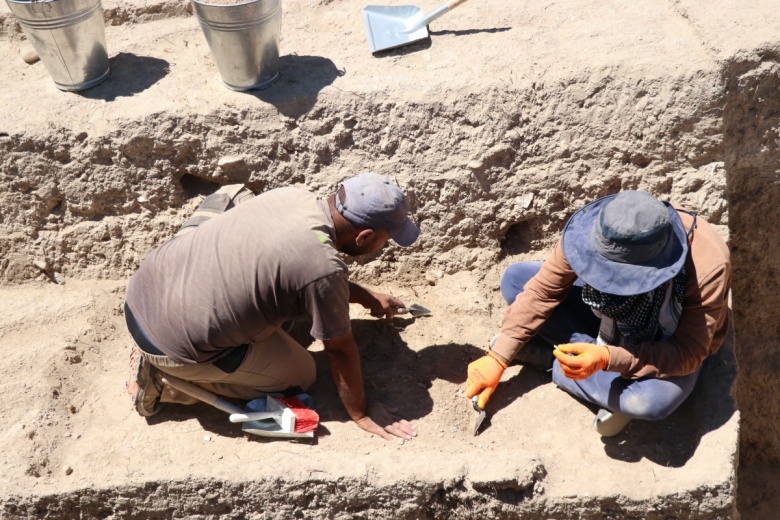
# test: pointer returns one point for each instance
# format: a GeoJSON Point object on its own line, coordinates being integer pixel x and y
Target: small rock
{"type": "Point", "coordinates": [67, 469]}
{"type": "Point", "coordinates": [206, 438]}
{"type": "Point", "coordinates": [30, 57]}
{"type": "Point", "coordinates": [41, 264]}
{"type": "Point", "coordinates": [433, 276]}
{"type": "Point", "coordinates": [474, 165]}
{"type": "Point", "coordinates": [202, 492]}
{"type": "Point", "coordinates": [230, 160]}
{"type": "Point", "coordinates": [72, 409]}
{"type": "Point", "coordinates": [58, 278]}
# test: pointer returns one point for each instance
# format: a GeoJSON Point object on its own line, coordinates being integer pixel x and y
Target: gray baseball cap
{"type": "Point", "coordinates": [372, 201]}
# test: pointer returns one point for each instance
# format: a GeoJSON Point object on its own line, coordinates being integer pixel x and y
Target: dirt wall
{"type": "Point", "coordinates": [492, 176]}
{"type": "Point", "coordinates": [752, 142]}
{"type": "Point", "coordinates": [495, 153]}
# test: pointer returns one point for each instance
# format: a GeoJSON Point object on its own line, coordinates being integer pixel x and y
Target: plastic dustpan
{"type": "Point", "coordinates": [275, 420]}
{"type": "Point", "coordinates": [388, 27]}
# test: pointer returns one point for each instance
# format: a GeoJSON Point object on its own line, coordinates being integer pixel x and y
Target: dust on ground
{"type": "Point", "coordinates": [72, 425]}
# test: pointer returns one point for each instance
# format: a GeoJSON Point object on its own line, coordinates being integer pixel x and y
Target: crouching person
{"type": "Point", "coordinates": [631, 302]}
{"type": "Point", "coordinates": [208, 305]}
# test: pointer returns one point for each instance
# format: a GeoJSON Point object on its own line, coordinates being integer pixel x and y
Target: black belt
{"type": "Point", "coordinates": [138, 335]}
{"type": "Point", "coordinates": [228, 363]}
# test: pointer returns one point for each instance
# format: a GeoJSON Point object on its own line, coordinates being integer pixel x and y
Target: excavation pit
{"type": "Point", "coordinates": [507, 121]}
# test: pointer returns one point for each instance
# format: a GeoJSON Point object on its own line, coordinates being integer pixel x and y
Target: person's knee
{"type": "Point", "coordinates": [308, 374]}
{"type": "Point", "coordinates": [563, 382]}
{"type": "Point", "coordinates": [301, 372]}
{"type": "Point", "coordinates": [647, 407]}
{"type": "Point", "coordinates": [515, 277]}
{"type": "Point", "coordinates": [637, 404]}
{"type": "Point", "coordinates": [507, 287]}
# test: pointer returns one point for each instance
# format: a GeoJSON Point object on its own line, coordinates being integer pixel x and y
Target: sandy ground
{"type": "Point", "coordinates": [70, 426]}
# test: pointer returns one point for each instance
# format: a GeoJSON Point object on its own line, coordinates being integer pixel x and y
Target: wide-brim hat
{"type": "Point", "coordinates": [631, 263]}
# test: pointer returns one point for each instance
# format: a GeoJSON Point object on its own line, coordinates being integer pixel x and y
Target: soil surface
{"type": "Point", "coordinates": [504, 122]}
{"type": "Point", "coordinates": [72, 427]}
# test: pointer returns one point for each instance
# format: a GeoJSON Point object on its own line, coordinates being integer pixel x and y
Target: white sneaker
{"type": "Point", "coordinates": [609, 424]}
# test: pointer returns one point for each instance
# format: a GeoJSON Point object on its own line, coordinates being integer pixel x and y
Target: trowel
{"type": "Point", "coordinates": [476, 422]}
{"type": "Point", "coordinates": [389, 27]}
{"type": "Point", "coordinates": [415, 310]}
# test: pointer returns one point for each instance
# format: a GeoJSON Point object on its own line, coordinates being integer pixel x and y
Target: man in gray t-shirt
{"type": "Point", "coordinates": [207, 306]}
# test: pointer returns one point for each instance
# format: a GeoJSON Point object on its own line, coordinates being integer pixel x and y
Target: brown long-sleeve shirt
{"type": "Point", "coordinates": [703, 324]}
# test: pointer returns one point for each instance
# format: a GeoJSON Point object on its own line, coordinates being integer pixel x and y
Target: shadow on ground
{"type": "Point", "coordinates": [399, 376]}
{"type": "Point", "coordinates": [393, 373]}
{"type": "Point", "coordinates": [301, 78]}
{"type": "Point", "coordinates": [673, 441]}
{"type": "Point", "coordinates": [466, 32]}
{"type": "Point", "coordinates": [396, 375]}
{"type": "Point", "coordinates": [409, 48]}
{"type": "Point", "coordinates": [130, 74]}
{"type": "Point", "coordinates": [427, 42]}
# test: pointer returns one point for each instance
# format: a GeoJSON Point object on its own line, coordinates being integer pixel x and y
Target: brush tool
{"type": "Point", "coordinates": [289, 413]}
{"type": "Point", "coordinates": [280, 417]}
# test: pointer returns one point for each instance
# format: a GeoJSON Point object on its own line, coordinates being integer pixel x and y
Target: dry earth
{"type": "Point", "coordinates": [500, 126]}
{"type": "Point", "coordinates": [79, 448]}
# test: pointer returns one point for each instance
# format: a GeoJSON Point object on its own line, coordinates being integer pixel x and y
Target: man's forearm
{"type": "Point", "coordinates": [361, 295]}
{"type": "Point", "coordinates": [344, 362]}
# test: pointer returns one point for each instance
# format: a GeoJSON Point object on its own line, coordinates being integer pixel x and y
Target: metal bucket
{"type": "Point", "coordinates": [70, 38]}
{"type": "Point", "coordinates": [244, 40]}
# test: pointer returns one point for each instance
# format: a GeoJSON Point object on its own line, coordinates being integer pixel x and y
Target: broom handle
{"type": "Point", "coordinates": [201, 394]}
{"type": "Point", "coordinates": [255, 416]}
{"type": "Point", "coordinates": [452, 4]}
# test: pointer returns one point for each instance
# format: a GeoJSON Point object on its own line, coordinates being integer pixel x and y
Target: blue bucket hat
{"type": "Point", "coordinates": [372, 201]}
{"type": "Point", "coordinates": [625, 244]}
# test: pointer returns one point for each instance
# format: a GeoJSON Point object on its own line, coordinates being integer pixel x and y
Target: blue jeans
{"type": "Point", "coordinates": [573, 322]}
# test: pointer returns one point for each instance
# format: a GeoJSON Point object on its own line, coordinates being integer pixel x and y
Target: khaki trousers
{"type": "Point", "coordinates": [273, 364]}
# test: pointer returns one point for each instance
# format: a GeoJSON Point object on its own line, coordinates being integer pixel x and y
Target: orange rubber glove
{"type": "Point", "coordinates": [581, 360]}
{"type": "Point", "coordinates": [483, 377]}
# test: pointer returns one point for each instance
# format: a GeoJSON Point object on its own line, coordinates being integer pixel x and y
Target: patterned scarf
{"type": "Point", "coordinates": [640, 312]}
